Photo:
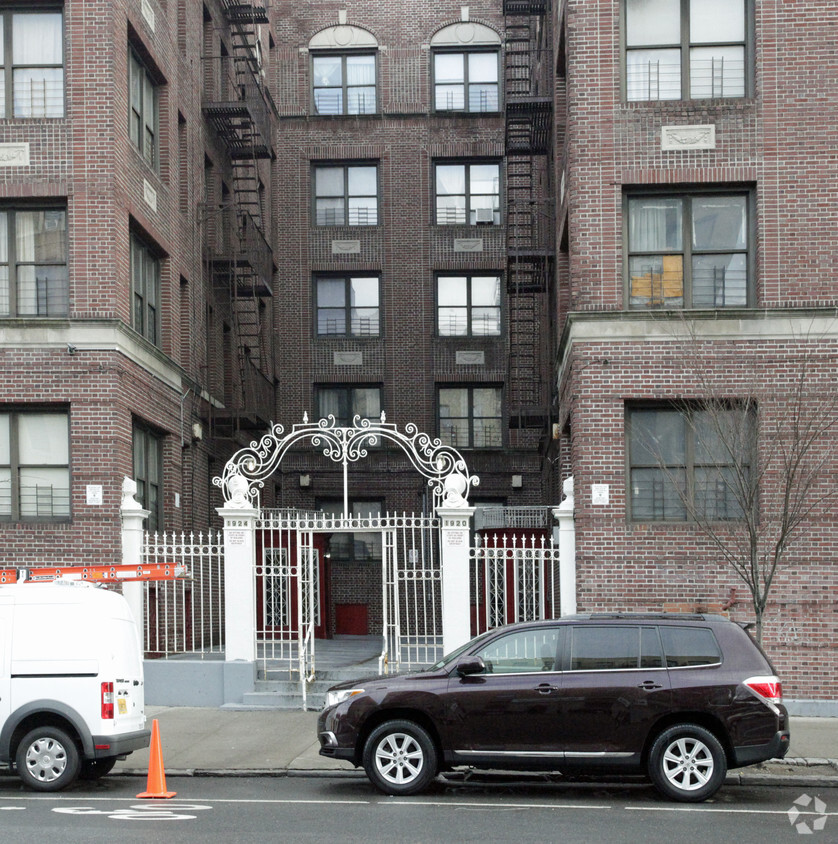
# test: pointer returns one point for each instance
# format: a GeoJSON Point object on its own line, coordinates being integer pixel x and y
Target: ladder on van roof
{"type": "Point", "coordinates": [95, 574]}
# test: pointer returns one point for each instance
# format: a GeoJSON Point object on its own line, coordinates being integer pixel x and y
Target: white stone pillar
{"type": "Point", "coordinates": [456, 589]}
{"type": "Point", "coordinates": [133, 516]}
{"type": "Point", "coordinates": [564, 515]}
{"type": "Point", "coordinates": [239, 573]}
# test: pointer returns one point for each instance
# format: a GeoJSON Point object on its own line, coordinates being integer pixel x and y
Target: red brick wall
{"type": "Point", "coordinates": [778, 143]}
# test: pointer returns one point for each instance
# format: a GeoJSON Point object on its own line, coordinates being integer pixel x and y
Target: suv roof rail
{"type": "Point", "coordinates": [679, 616]}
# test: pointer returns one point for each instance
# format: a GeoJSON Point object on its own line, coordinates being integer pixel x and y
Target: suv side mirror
{"type": "Point", "coordinates": [471, 665]}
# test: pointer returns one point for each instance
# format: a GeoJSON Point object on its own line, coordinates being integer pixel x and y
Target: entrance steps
{"type": "Point", "coordinates": [286, 694]}
{"type": "Point", "coordinates": [336, 660]}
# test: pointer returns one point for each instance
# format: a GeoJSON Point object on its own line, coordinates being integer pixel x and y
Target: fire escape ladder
{"type": "Point", "coordinates": [530, 215]}
{"type": "Point", "coordinates": [240, 110]}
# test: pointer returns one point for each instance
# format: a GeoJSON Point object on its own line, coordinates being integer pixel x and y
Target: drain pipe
{"type": "Point", "coordinates": [182, 400]}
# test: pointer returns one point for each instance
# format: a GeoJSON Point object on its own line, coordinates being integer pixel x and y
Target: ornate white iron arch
{"type": "Point", "coordinates": [441, 465]}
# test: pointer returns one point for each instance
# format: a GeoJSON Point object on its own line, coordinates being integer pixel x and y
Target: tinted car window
{"type": "Point", "coordinates": [651, 655]}
{"type": "Point", "coordinates": [521, 652]}
{"type": "Point", "coordinates": [685, 646]}
{"type": "Point", "coordinates": [604, 648]}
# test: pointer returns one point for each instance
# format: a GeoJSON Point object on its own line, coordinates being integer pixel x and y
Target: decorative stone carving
{"type": "Point", "coordinates": [346, 247]}
{"type": "Point", "coordinates": [464, 358]}
{"type": "Point", "coordinates": [129, 490]}
{"type": "Point", "coordinates": [468, 244]}
{"type": "Point", "coordinates": [14, 155]}
{"type": "Point", "coordinates": [568, 503]}
{"type": "Point", "coordinates": [454, 487]}
{"type": "Point", "coordinates": [149, 195]}
{"type": "Point", "coordinates": [238, 491]}
{"type": "Point", "coordinates": [348, 359]}
{"type": "Point", "coordinates": [688, 137]}
{"type": "Point", "coordinates": [342, 36]}
{"type": "Point", "coordinates": [465, 33]}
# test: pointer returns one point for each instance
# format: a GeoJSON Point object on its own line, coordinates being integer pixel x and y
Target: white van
{"type": "Point", "coordinates": [71, 682]}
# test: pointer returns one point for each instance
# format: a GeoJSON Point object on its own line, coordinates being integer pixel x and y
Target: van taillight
{"type": "Point", "coordinates": [767, 688]}
{"type": "Point", "coordinates": [107, 700]}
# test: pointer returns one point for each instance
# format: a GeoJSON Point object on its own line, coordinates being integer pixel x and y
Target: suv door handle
{"type": "Point", "coordinates": [545, 688]}
{"type": "Point", "coordinates": [650, 685]}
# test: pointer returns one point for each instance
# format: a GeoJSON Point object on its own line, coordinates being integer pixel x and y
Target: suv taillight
{"type": "Point", "coordinates": [769, 689]}
{"type": "Point", "coordinates": [107, 701]}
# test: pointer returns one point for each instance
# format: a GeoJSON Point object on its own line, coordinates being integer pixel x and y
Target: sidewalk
{"type": "Point", "coordinates": [270, 742]}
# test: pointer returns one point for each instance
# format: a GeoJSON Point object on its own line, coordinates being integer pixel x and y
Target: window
{"type": "Point", "coordinates": [688, 251]}
{"type": "Point", "coordinates": [523, 652]}
{"type": "Point", "coordinates": [34, 465]}
{"type": "Point", "coordinates": [148, 473]}
{"type": "Point", "coordinates": [344, 84]}
{"type": "Point", "coordinates": [346, 403]}
{"type": "Point", "coordinates": [468, 305]}
{"type": "Point", "coordinates": [613, 647]}
{"type": "Point", "coordinates": [685, 49]}
{"type": "Point", "coordinates": [468, 193]}
{"type": "Point", "coordinates": [466, 81]}
{"type": "Point", "coordinates": [33, 262]}
{"type": "Point", "coordinates": [346, 195]}
{"type": "Point", "coordinates": [355, 547]}
{"type": "Point", "coordinates": [470, 417]}
{"type": "Point", "coordinates": [688, 461]}
{"type": "Point", "coordinates": [686, 646]}
{"type": "Point", "coordinates": [145, 286]}
{"type": "Point", "coordinates": [32, 60]}
{"type": "Point", "coordinates": [143, 118]}
{"type": "Point", "coordinates": [347, 306]}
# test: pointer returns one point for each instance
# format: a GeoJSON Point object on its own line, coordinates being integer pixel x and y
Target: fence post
{"type": "Point", "coordinates": [564, 515]}
{"type": "Point", "coordinates": [455, 534]}
{"type": "Point", "coordinates": [133, 515]}
{"type": "Point", "coordinates": [239, 574]}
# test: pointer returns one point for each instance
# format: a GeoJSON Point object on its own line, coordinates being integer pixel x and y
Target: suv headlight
{"type": "Point", "coordinates": [336, 696]}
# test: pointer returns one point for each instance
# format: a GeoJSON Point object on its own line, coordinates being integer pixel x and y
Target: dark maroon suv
{"type": "Point", "coordinates": [681, 698]}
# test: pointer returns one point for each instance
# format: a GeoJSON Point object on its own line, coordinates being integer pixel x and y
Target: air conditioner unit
{"type": "Point", "coordinates": [484, 216]}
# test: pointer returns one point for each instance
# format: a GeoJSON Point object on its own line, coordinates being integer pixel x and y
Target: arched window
{"type": "Point", "coordinates": [466, 68]}
{"type": "Point", "coordinates": [343, 71]}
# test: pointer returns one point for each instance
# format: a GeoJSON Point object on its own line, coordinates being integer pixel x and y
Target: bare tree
{"type": "Point", "coordinates": [760, 437]}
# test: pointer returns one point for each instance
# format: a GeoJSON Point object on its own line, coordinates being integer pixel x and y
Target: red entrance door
{"type": "Point", "coordinates": [277, 583]}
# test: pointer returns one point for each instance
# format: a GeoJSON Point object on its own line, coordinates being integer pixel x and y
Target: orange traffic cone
{"type": "Point", "coordinates": [156, 785]}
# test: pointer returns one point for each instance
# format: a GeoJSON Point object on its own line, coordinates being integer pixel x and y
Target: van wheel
{"type": "Point", "coordinates": [400, 758]}
{"type": "Point", "coordinates": [94, 769]}
{"type": "Point", "coordinates": [687, 763]}
{"type": "Point", "coordinates": [47, 759]}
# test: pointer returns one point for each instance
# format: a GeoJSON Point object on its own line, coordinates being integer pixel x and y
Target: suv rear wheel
{"type": "Point", "coordinates": [400, 758]}
{"type": "Point", "coordinates": [47, 759]}
{"type": "Point", "coordinates": [687, 763]}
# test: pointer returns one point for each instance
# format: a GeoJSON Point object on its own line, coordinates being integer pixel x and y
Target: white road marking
{"type": "Point", "coordinates": [720, 810]}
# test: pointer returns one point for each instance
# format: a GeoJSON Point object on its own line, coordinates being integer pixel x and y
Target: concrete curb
{"type": "Point", "coordinates": [819, 773]}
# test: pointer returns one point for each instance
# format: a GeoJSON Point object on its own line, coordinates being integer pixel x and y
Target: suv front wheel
{"type": "Point", "coordinates": [687, 763]}
{"type": "Point", "coordinates": [400, 758]}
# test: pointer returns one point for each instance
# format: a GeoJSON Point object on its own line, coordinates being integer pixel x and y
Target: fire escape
{"type": "Point", "coordinates": [239, 107]}
{"type": "Point", "coordinates": [530, 235]}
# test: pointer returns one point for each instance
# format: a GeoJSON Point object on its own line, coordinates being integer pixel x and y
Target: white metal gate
{"type": "Point", "coordinates": [287, 589]}
{"type": "Point", "coordinates": [513, 578]}
{"type": "Point", "coordinates": [412, 580]}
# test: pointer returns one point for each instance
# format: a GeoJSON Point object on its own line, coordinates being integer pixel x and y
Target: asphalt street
{"type": "Point", "coordinates": [333, 808]}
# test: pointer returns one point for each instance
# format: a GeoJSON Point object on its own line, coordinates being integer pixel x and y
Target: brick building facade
{"type": "Point", "coordinates": [129, 268]}
{"type": "Point", "coordinates": [697, 263]}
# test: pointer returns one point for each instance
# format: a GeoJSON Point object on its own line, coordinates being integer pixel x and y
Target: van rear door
{"type": "Point", "coordinates": [127, 673]}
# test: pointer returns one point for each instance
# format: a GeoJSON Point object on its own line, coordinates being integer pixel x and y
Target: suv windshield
{"type": "Point", "coordinates": [461, 650]}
